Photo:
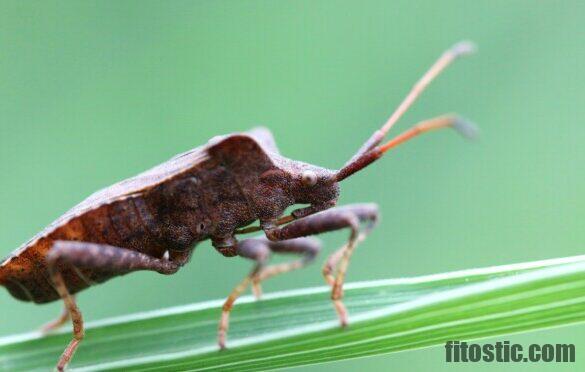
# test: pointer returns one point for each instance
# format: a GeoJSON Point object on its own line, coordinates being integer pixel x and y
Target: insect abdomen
{"type": "Point", "coordinates": [25, 277]}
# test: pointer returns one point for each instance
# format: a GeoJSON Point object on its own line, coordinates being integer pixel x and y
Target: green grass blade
{"type": "Point", "coordinates": [299, 327]}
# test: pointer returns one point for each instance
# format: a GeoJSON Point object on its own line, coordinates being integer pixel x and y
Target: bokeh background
{"type": "Point", "coordinates": [94, 92]}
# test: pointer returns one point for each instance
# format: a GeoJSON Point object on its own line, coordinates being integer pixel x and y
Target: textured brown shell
{"type": "Point", "coordinates": [122, 190]}
{"type": "Point", "coordinates": [24, 271]}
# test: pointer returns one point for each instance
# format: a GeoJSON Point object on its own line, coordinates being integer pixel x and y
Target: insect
{"type": "Point", "coordinates": [217, 191]}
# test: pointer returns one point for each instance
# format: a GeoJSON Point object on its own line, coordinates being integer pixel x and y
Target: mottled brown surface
{"type": "Point", "coordinates": [205, 193]}
{"type": "Point", "coordinates": [153, 221]}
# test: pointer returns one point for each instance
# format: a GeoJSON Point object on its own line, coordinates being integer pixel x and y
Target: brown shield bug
{"type": "Point", "coordinates": [154, 220]}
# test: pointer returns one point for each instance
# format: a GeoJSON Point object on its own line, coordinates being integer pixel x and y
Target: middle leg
{"type": "Point", "coordinates": [259, 250]}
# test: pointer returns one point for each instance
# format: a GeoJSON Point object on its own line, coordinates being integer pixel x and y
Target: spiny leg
{"type": "Point", "coordinates": [259, 249]}
{"type": "Point", "coordinates": [330, 220]}
{"type": "Point", "coordinates": [94, 256]}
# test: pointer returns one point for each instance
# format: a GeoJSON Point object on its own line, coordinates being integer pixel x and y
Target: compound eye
{"type": "Point", "coordinates": [309, 178]}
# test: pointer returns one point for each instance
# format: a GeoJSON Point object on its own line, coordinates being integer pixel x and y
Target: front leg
{"type": "Point", "coordinates": [330, 220]}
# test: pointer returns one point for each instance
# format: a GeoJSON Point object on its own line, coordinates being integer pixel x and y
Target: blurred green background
{"type": "Point", "coordinates": [94, 92]}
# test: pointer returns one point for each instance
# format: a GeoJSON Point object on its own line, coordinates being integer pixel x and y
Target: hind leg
{"type": "Point", "coordinates": [95, 256]}
{"type": "Point", "coordinates": [76, 319]}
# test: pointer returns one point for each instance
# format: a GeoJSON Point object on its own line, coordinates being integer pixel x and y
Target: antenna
{"type": "Point", "coordinates": [460, 49]}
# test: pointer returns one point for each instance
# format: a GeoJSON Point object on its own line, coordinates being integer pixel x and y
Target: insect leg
{"type": "Point", "coordinates": [94, 256]}
{"type": "Point", "coordinates": [330, 220]}
{"type": "Point", "coordinates": [308, 248]}
{"type": "Point", "coordinates": [333, 260]}
{"type": "Point", "coordinates": [254, 249]}
{"type": "Point", "coordinates": [259, 250]}
{"type": "Point", "coordinates": [76, 318]}
{"type": "Point", "coordinates": [57, 323]}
